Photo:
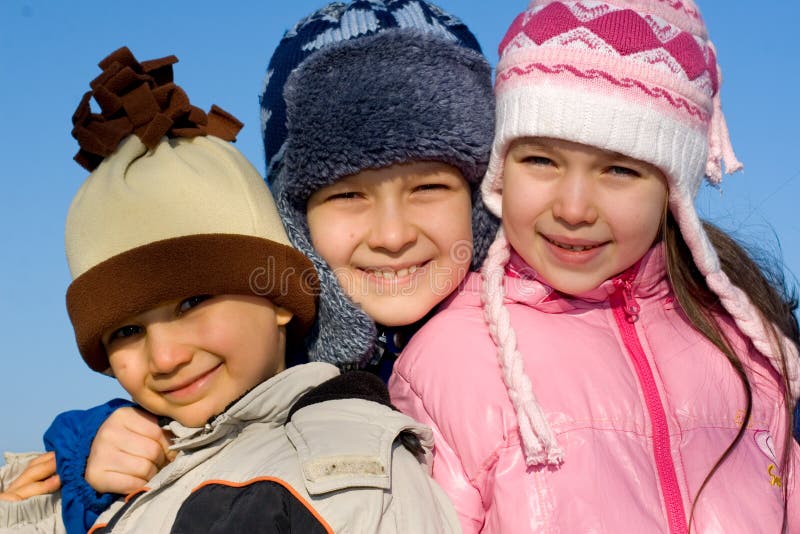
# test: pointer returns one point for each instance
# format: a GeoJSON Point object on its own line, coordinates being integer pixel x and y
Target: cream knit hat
{"type": "Point", "coordinates": [173, 211]}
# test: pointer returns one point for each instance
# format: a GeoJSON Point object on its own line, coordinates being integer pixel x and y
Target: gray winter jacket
{"type": "Point", "coordinates": [337, 465]}
{"type": "Point", "coordinates": [36, 515]}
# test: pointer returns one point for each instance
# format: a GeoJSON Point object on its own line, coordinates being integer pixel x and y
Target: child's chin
{"type": "Point", "coordinates": [402, 311]}
{"type": "Point", "coordinates": [196, 419]}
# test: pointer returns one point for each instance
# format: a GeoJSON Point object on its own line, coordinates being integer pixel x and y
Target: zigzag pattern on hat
{"type": "Point", "coordinates": [583, 25]}
{"type": "Point", "coordinates": [665, 8]}
{"type": "Point", "coordinates": [673, 99]}
{"type": "Point", "coordinates": [363, 19]}
{"type": "Point", "coordinates": [683, 6]}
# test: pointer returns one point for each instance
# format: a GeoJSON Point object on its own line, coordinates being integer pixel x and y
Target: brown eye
{"type": "Point", "coordinates": [623, 171]}
{"type": "Point", "coordinates": [124, 332]}
{"type": "Point", "coordinates": [537, 160]}
{"type": "Point", "coordinates": [191, 302]}
{"type": "Point", "coordinates": [347, 195]}
{"type": "Point", "coordinates": [431, 187]}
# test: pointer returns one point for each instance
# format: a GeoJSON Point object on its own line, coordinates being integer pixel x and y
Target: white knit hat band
{"type": "Point", "coordinates": [655, 77]}
{"type": "Point", "coordinates": [578, 112]}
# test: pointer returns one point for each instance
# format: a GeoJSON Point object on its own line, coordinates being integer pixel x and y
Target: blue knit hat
{"type": "Point", "coordinates": [334, 23]}
{"type": "Point", "coordinates": [366, 85]}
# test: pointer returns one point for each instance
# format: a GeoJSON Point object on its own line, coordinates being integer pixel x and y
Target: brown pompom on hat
{"type": "Point", "coordinates": [170, 210]}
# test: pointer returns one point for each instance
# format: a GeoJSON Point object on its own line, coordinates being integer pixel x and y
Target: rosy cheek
{"type": "Point", "coordinates": [121, 368]}
{"type": "Point", "coordinates": [117, 365]}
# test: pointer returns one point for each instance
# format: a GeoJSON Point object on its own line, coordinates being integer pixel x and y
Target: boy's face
{"type": "Point", "coordinates": [398, 238]}
{"type": "Point", "coordinates": [579, 215]}
{"type": "Point", "coordinates": [190, 359]}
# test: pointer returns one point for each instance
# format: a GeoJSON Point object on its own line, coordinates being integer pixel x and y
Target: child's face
{"type": "Point", "coordinates": [398, 238]}
{"type": "Point", "coordinates": [579, 215]}
{"type": "Point", "coordinates": [189, 359]}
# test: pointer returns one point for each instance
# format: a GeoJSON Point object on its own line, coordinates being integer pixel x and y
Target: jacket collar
{"type": "Point", "coordinates": [647, 279]}
{"type": "Point", "coordinates": [269, 402]}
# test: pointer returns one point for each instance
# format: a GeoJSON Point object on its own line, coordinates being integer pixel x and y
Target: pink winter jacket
{"type": "Point", "coordinates": [642, 406]}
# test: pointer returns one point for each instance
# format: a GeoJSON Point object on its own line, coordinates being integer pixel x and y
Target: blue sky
{"type": "Point", "coordinates": [49, 53]}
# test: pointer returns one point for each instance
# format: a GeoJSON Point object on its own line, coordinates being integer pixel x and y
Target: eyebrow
{"type": "Point", "coordinates": [618, 155]}
{"type": "Point", "coordinates": [530, 144]}
{"type": "Point", "coordinates": [610, 154]}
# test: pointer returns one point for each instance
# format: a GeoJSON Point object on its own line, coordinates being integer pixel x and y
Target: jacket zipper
{"type": "Point", "coordinates": [626, 313]}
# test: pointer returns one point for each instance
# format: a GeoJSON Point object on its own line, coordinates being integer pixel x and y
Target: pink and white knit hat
{"type": "Point", "coordinates": [638, 77]}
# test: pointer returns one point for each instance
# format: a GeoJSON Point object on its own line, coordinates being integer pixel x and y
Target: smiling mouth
{"type": "Point", "coordinates": [572, 248]}
{"type": "Point", "coordinates": [390, 274]}
{"type": "Point", "coordinates": [188, 384]}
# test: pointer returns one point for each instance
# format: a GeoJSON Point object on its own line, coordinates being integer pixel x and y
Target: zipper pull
{"type": "Point", "coordinates": [630, 306]}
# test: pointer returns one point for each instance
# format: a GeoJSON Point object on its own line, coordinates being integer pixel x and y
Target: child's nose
{"type": "Point", "coordinates": [391, 229]}
{"type": "Point", "coordinates": [166, 352]}
{"type": "Point", "coordinates": [574, 201]}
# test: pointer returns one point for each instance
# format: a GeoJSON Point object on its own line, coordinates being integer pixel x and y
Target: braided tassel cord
{"type": "Point", "coordinates": [736, 303]}
{"type": "Point", "coordinates": [538, 441]}
{"type": "Point", "coordinates": [734, 300]}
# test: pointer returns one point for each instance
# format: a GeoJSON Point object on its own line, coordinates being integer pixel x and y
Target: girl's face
{"type": "Point", "coordinates": [398, 238]}
{"type": "Point", "coordinates": [189, 359]}
{"type": "Point", "coordinates": [579, 215]}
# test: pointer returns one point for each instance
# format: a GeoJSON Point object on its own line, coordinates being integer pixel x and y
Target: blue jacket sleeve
{"type": "Point", "coordinates": [70, 436]}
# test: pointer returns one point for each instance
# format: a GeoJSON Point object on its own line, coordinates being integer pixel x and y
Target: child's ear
{"type": "Point", "coordinates": [283, 316]}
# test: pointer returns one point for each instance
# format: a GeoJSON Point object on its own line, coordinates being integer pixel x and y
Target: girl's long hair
{"type": "Point", "coordinates": [763, 280]}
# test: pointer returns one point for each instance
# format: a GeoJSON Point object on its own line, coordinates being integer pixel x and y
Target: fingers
{"type": "Point", "coordinates": [128, 450]}
{"type": "Point", "coordinates": [118, 471]}
{"type": "Point", "coordinates": [44, 458]}
{"type": "Point", "coordinates": [133, 459]}
{"type": "Point", "coordinates": [41, 487]}
{"type": "Point", "coordinates": [144, 447]}
{"type": "Point", "coordinates": [170, 455]}
{"type": "Point", "coordinates": [38, 469]}
{"type": "Point", "coordinates": [113, 482]}
{"type": "Point", "coordinates": [38, 478]}
{"type": "Point", "coordinates": [146, 425]}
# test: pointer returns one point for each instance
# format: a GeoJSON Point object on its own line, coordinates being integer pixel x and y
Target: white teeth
{"type": "Point", "coordinates": [388, 274]}
{"type": "Point", "coordinates": [573, 248]}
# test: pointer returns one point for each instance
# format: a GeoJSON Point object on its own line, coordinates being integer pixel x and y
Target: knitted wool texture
{"type": "Point", "coordinates": [364, 85]}
{"type": "Point", "coordinates": [638, 77]}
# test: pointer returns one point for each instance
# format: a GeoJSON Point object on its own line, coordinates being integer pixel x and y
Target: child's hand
{"type": "Point", "coordinates": [128, 450]}
{"type": "Point", "coordinates": [38, 478]}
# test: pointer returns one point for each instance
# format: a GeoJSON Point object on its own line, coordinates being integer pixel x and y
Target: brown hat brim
{"type": "Point", "coordinates": [144, 277]}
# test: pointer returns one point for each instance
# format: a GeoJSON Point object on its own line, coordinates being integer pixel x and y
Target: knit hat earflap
{"type": "Point", "coordinates": [170, 210]}
{"type": "Point", "coordinates": [366, 85]}
{"type": "Point", "coordinates": [637, 77]}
